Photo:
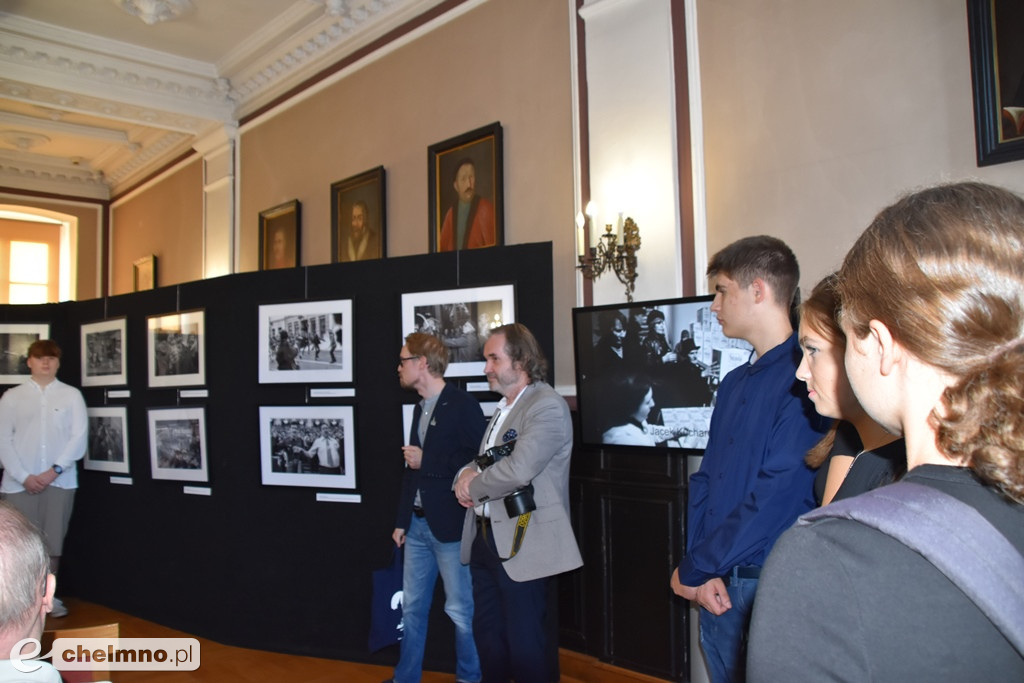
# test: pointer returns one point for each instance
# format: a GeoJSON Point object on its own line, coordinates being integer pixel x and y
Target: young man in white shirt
{"type": "Point", "coordinates": [43, 431]}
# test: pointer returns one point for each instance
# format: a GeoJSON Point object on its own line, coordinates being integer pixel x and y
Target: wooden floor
{"type": "Point", "coordinates": [225, 664]}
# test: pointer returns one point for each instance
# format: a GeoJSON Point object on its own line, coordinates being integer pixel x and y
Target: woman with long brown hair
{"type": "Point", "coordinates": [933, 308]}
{"type": "Point", "coordinates": [857, 455]}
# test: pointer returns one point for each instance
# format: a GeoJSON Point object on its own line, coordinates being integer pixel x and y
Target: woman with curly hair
{"type": "Point", "coordinates": [933, 309]}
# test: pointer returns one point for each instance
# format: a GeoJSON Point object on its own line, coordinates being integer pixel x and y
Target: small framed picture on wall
{"type": "Point", "coordinates": [176, 349]}
{"type": "Point", "coordinates": [144, 273]}
{"type": "Point", "coordinates": [108, 440]}
{"type": "Point", "coordinates": [103, 353]}
{"type": "Point", "coordinates": [308, 446]}
{"type": "Point", "coordinates": [177, 444]}
{"type": "Point", "coordinates": [281, 236]}
{"type": "Point", "coordinates": [15, 338]}
{"type": "Point", "coordinates": [466, 191]}
{"type": "Point", "coordinates": [997, 73]}
{"type": "Point", "coordinates": [305, 341]}
{"type": "Point", "coordinates": [462, 319]}
{"type": "Point", "coordinates": [358, 218]}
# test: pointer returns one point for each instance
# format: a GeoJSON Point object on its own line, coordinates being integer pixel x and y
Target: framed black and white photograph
{"type": "Point", "coordinates": [108, 440]}
{"type": "Point", "coordinates": [15, 338]}
{"type": "Point", "coordinates": [647, 373]}
{"type": "Point", "coordinates": [308, 446]}
{"type": "Point", "coordinates": [462, 319]}
{"type": "Point", "coordinates": [464, 178]}
{"type": "Point", "coordinates": [358, 218]}
{"type": "Point", "coordinates": [308, 341]}
{"type": "Point", "coordinates": [103, 353]}
{"type": "Point", "coordinates": [176, 343]}
{"type": "Point", "coordinates": [177, 444]}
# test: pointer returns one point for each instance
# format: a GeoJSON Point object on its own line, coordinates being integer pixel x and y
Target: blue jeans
{"type": "Point", "coordinates": [724, 638]}
{"type": "Point", "coordinates": [425, 557]}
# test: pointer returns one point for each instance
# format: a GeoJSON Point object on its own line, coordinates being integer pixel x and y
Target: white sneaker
{"type": "Point", "coordinates": [59, 610]}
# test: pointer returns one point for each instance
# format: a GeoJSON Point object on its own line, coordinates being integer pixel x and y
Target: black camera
{"type": "Point", "coordinates": [520, 501]}
{"type": "Point", "coordinates": [494, 454]}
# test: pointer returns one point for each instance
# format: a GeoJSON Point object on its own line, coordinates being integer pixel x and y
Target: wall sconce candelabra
{"type": "Point", "coordinates": [609, 254]}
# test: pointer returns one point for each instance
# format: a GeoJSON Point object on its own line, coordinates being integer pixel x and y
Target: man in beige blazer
{"type": "Point", "coordinates": [512, 554]}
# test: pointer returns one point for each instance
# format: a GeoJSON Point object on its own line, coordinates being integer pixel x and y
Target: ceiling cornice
{"type": "Point", "coordinates": [116, 72]}
{"type": "Point", "coordinates": [26, 172]}
{"type": "Point", "coordinates": [259, 76]}
{"type": "Point", "coordinates": [174, 100]}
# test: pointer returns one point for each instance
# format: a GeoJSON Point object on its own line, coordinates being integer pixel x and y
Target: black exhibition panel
{"type": "Point", "coordinates": [271, 567]}
{"type": "Point", "coordinates": [233, 560]}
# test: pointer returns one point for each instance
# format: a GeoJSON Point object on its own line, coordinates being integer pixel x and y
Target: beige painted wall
{"type": "Point", "coordinates": [819, 113]}
{"type": "Point", "coordinates": [507, 61]}
{"type": "Point", "coordinates": [164, 219]}
{"type": "Point", "coordinates": [87, 217]}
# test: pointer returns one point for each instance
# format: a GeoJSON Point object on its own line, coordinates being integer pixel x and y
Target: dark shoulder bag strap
{"type": "Point", "coordinates": [953, 536]}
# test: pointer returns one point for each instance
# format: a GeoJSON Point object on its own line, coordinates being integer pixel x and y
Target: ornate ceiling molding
{"type": "Point", "coordinates": [62, 100]}
{"type": "Point", "coordinates": [84, 73]}
{"type": "Point", "coordinates": [154, 11]}
{"type": "Point", "coordinates": [139, 162]}
{"type": "Point", "coordinates": [25, 171]}
{"type": "Point", "coordinates": [175, 100]}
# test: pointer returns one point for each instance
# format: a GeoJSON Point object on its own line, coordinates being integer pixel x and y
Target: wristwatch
{"type": "Point", "coordinates": [58, 469]}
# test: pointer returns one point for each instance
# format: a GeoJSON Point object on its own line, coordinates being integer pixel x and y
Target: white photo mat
{"type": "Point", "coordinates": [177, 444]}
{"type": "Point", "coordinates": [15, 338]}
{"type": "Point", "coordinates": [108, 440]}
{"type": "Point", "coordinates": [287, 434]}
{"type": "Point", "coordinates": [104, 353]}
{"type": "Point", "coordinates": [176, 343]}
{"type": "Point", "coordinates": [443, 313]}
{"type": "Point", "coordinates": [316, 332]}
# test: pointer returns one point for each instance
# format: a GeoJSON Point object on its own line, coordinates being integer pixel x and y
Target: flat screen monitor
{"type": "Point", "coordinates": [647, 373]}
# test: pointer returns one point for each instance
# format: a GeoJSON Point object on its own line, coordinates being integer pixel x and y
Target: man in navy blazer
{"type": "Point", "coordinates": [446, 429]}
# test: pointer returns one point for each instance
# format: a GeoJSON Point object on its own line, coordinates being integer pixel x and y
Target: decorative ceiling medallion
{"type": "Point", "coordinates": [23, 140]}
{"type": "Point", "coordinates": [155, 11]}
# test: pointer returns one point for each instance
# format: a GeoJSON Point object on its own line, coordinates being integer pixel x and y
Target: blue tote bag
{"type": "Point", "coordinates": [386, 607]}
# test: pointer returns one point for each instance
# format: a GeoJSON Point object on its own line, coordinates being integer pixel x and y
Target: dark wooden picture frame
{"type": "Point", "coordinates": [480, 149]}
{"type": "Point", "coordinates": [144, 273]}
{"type": "Point", "coordinates": [281, 236]}
{"type": "Point", "coordinates": [359, 200]}
{"type": "Point", "coordinates": [997, 72]}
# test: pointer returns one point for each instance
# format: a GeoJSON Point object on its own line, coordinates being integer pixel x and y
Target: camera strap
{"type": "Point", "coordinates": [517, 538]}
{"type": "Point", "coordinates": [520, 532]}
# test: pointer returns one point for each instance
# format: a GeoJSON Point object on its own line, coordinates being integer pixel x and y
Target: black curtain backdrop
{"type": "Point", "coordinates": [256, 566]}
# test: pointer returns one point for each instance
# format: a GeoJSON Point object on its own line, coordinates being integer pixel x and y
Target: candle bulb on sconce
{"type": "Point", "coordinates": [609, 254]}
{"type": "Point", "coordinates": [581, 237]}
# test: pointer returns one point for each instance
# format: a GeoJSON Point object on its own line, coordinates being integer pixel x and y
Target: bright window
{"type": "Point", "coordinates": [29, 272]}
{"type": "Point", "coordinates": [27, 294]}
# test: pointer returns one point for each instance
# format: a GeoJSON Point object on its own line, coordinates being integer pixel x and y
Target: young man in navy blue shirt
{"type": "Point", "coordinates": [752, 483]}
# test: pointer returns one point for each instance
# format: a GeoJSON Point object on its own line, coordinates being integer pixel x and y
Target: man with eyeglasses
{"type": "Point", "coordinates": [447, 428]}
